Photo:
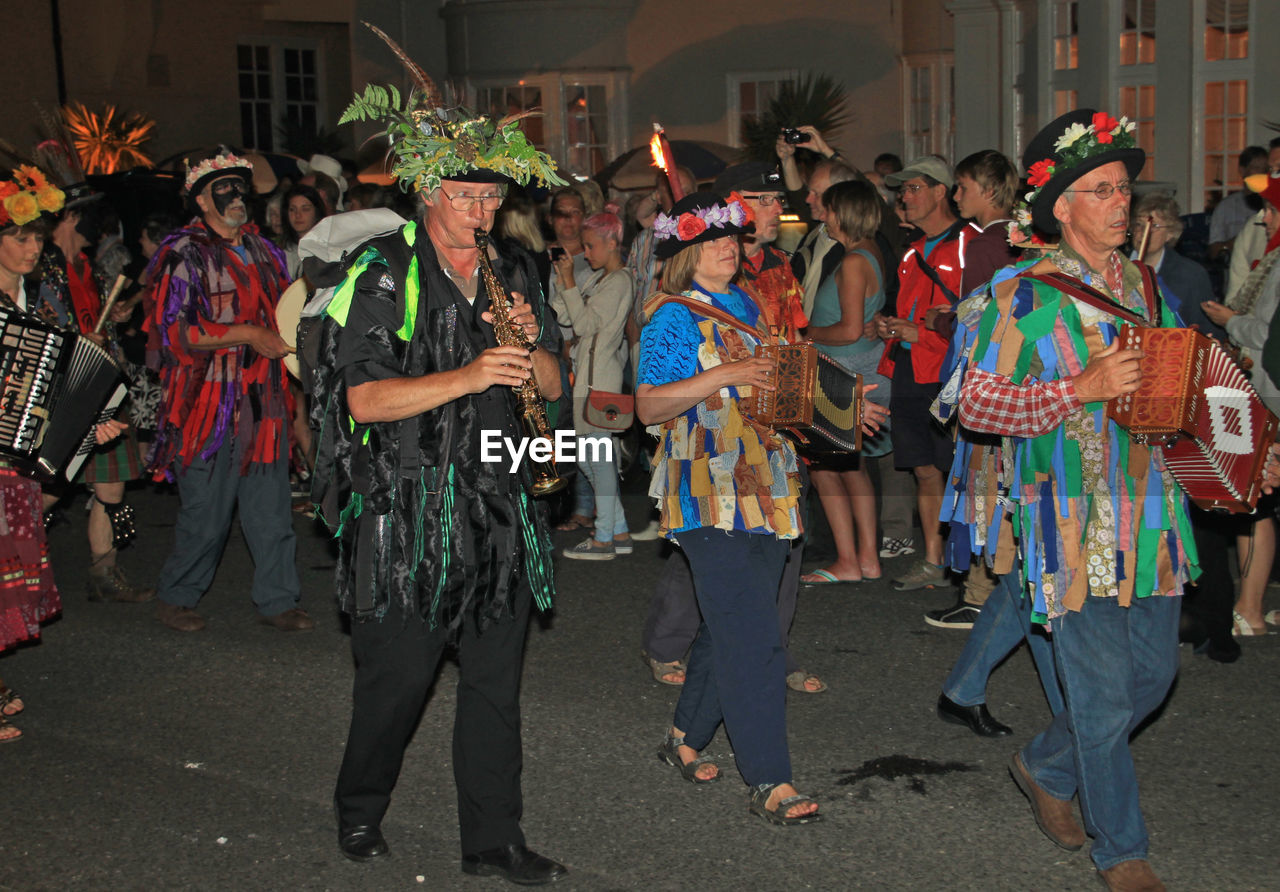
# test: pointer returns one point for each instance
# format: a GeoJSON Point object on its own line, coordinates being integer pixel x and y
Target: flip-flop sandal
{"type": "Point", "coordinates": [660, 669]}
{"type": "Point", "coordinates": [1272, 618]}
{"type": "Point", "coordinates": [825, 577]}
{"type": "Point", "coordinates": [8, 732]}
{"type": "Point", "coordinates": [1241, 629]}
{"type": "Point", "coordinates": [669, 752]}
{"type": "Point", "coordinates": [7, 698]}
{"type": "Point", "coordinates": [797, 682]}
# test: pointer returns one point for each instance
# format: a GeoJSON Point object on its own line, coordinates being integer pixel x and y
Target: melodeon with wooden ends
{"type": "Point", "coordinates": [55, 386]}
{"type": "Point", "coordinates": [817, 400]}
{"type": "Point", "coordinates": [1198, 407]}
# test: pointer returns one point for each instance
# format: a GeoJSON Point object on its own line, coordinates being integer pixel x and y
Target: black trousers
{"type": "Point", "coordinates": [397, 659]}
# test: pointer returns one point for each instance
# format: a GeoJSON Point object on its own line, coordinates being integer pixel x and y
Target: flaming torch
{"type": "Point", "coordinates": [665, 160]}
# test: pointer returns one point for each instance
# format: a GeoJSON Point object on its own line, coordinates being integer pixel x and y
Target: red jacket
{"type": "Point", "coordinates": [917, 292]}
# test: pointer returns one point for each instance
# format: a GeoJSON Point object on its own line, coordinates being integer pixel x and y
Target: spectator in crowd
{"type": "Point", "coordinates": [986, 188]}
{"type": "Point", "coordinates": [846, 301]}
{"type": "Point", "coordinates": [1233, 211]}
{"type": "Point", "coordinates": [1184, 283]}
{"type": "Point", "coordinates": [596, 309]}
{"type": "Point", "coordinates": [304, 208]}
{"type": "Point", "coordinates": [1251, 242]}
{"type": "Point", "coordinates": [928, 277]}
{"type": "Point", "coordinates": [1249, 323]}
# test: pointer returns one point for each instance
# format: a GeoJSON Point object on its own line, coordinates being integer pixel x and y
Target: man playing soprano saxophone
{"type": "Point", "coordinates": [445, 549]}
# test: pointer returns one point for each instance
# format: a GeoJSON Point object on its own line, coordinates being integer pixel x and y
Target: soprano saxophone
{"type": "Point", "coordinates": [533, 413]}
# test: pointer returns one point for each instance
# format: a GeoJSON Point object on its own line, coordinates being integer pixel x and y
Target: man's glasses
{"type": "Point", "coordinates": [463, 202]}
{"type": "Point", "coordinates": [913, 188]}
{"type": "Point", "coordinates": [767, 200]}
{"type": "Point", "coordinates": [1105, 190]}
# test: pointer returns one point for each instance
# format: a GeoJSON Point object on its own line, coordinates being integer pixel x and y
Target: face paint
{"type": "Point", "coordinates": [227, 192]}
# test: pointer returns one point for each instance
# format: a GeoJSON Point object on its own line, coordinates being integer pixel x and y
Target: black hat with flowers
{"type": "Point", "coordinates": [1070, 147]}
{"type": "Point", "coordinates": [699, 217]}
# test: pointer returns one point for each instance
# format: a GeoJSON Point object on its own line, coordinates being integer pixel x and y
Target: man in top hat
{"type": "Point", "coordinates": [1102, 553]}
{"type": "Point", "coordinates": [223, 419]}
{"type": "Point", "coordinates": [441, 546]}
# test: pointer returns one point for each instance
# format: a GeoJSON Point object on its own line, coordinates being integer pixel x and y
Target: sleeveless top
{"type": "Point", "coordinates": [863, 354]}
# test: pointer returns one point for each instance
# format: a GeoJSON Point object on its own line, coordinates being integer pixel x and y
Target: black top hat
{"type": "Point", "coordinates": [1088, 152]}
{"type": "Point", "coordinates": [749, 176]}
{"type": "Point", "coordinates": [699, 217]}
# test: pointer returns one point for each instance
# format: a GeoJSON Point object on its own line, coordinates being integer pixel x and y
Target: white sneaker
{"type": "Point", "coordinates": [648, 534]}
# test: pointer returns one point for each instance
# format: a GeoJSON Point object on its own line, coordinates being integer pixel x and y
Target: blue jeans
{"type": "Point", "coordinates": [601, 475]}
{"type": "Point", "coordinates": [736, 668]}
{"type": "Point", "coordinates": [210, 491]}
{"type": "Point", "coordinates": [1003, 624]}
{"type": "Point", "coordinates": [1116, 665]}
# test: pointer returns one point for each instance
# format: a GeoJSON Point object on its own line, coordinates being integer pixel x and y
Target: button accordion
{"type": "Point", "coordinates": [56, 386]}
{"type": "Point", "coordinates": [817, 401]}
{"type": "Point", "coordinates": [1198, 407]}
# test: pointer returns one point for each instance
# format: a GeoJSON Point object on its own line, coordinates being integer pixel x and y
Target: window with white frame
{"type": "Point", "coordinates": [514, 99]}
{"type": "Point", "coordinates": [928, 106]}
{"type": "Point", "coordinates": [1136, 75]}
{"type": "Point", "coordinates": [1224, 75]}
{"type": "Point", "coordinates": [278, 82]}
{"type": "Point", "coordinates": [581, 115]}
{"type": "Point", "coordinates": [749, 95]}
{"type": "Point", "coordinates": [1066, 35]}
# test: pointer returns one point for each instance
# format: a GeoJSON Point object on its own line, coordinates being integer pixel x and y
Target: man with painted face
{"type": "Point", "coordinates": [223, 421]}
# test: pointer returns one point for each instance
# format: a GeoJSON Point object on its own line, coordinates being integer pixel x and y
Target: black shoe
{"type": "Point", "coordinates": [976, 718]}
{"type": "Point", "coordinates": [515, 863]}
{"type": "Point", "coordinates": [1223, 649]}
{"type": "Point", "coordinates": [960, 615]}
{"type": "Point", "coordinates": [362, 843]}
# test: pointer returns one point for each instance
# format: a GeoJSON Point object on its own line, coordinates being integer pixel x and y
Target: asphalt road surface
{"type": "Point", "coordinates": [154, 759]}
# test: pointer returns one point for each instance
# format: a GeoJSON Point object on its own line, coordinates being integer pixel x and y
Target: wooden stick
{"type": "Point", "coordinates": [1146, 237]}
{"type": "Point", "coordinates": [121, 281]}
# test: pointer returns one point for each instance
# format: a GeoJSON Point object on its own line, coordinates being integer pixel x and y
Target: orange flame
{"type": "Point", "coordinates": [655, 149]}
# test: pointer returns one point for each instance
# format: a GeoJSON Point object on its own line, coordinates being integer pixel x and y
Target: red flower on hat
{"type": "Point", "coordinates": [689, 226]}
{"type": "Point", "coordinates": [1103, 124]}
{"type": "Point", "coordinates": [1040, 172]}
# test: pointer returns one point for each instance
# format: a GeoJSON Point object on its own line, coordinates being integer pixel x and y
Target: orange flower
{"type": "Point", "coordinates": [35, 179]}
{"type": "Point", "coordinates": [7, 188]}
{"type": "Point", "coordinates": [22, 207]}
{"type": "Point", "coordinates": [50, 199]}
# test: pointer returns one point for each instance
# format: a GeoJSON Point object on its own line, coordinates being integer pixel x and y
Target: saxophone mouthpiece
{"type": "Point", "coordinates": [482, 238]}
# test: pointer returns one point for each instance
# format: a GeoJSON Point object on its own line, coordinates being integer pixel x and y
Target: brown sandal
{"type": "Point", "coordinates": [8, 732]}
{"type": "Point", "coordinates": [8, 697]}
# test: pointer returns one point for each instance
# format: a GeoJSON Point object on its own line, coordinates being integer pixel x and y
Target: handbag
{"type": "Point", "coordinates": [605, 410]}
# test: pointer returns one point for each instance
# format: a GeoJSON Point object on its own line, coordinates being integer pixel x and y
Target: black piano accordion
{"type": "Point", "coordinates": [818, 402]}
{"type": "Point", "coordinates": [57, 385]}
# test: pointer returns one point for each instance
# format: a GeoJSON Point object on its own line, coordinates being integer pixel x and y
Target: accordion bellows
{"type": "Point", "coordinates": [817, 400]}
{"type": "Point", "coordinates": [1198, 407]}
{"type": "Point", "coordinates": [56, 386]}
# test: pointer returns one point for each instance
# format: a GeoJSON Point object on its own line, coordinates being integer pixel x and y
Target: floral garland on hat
{"type": "Point", "coordinates": [27, 195]}
{"type": "Point", "coordinates": [1079, 143]}
{"type": "Point", "coordinates": [691, 224]}
{"type": "Point", "coordinates": [228, 161]}
{"type": "Point", "coordinates": [1020, 232]}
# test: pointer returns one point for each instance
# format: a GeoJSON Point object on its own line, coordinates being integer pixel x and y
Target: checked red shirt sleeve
{"type": "Point", "coordinates": [993, 404]}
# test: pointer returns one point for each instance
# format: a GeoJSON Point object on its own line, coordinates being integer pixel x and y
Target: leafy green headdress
{"type": "Point", "coordinates": [432, 143]}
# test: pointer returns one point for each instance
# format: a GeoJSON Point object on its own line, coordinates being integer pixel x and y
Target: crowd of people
{"type": "Point", "coordinates": [980, 306]}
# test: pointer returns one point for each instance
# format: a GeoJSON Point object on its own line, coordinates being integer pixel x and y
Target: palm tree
{"type": "Point", "coordinates": [815, 99]}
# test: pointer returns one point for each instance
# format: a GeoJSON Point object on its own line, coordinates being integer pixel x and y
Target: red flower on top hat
{"type": "Point", "coordinates": [690, 226]}
{"type": "Point", "coordinates": [1040, 172]}
{"type": "Point", "coordinates": [1103, 124]}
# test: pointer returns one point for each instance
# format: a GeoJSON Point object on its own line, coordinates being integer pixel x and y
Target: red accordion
{"type": "Point", "coordinates": [1197, 405]}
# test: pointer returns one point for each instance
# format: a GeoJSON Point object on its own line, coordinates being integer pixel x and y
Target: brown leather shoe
{"type": "Point", "coordinates": [1054, 816]}
{"type": "Point", "coordinates": [294, 619]}
{"type": "Point", "coordinates": [115, 586]}
{"type": "Point", "coordinates": [183, 619]}
{"type": "Point", "coordinates": [1131, 876]}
